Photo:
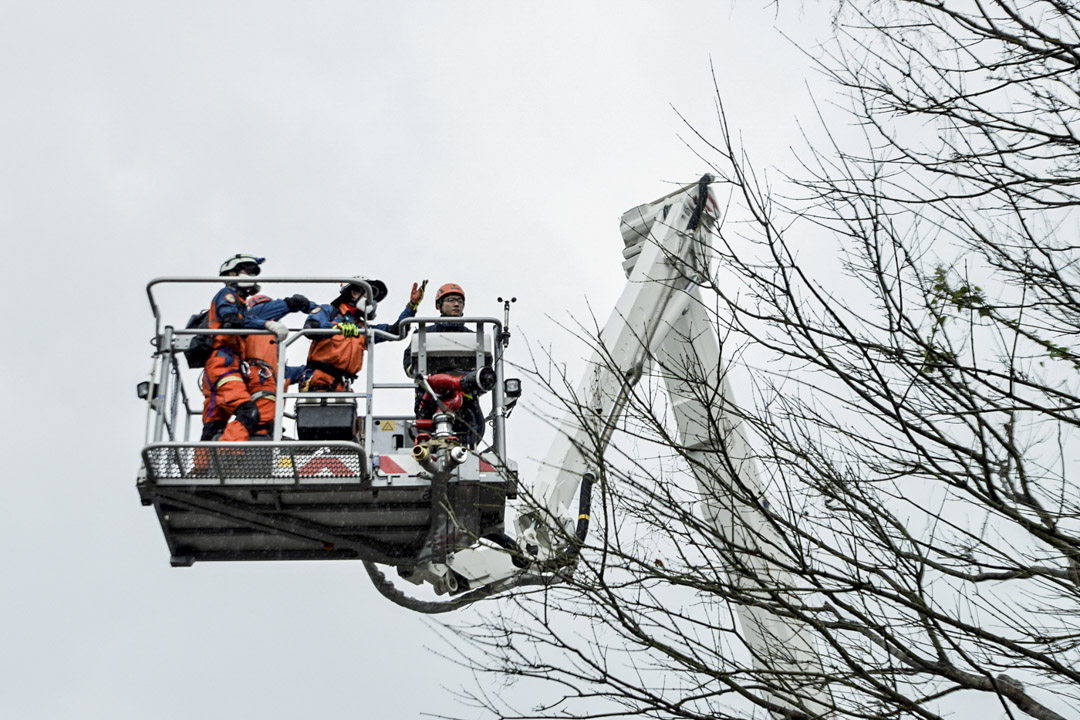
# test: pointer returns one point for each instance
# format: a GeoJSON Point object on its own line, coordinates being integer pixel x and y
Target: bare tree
{"type": "Point", "coordinates": [912, 405]}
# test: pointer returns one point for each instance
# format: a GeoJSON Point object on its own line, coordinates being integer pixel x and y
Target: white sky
{"type": "Point", "coordinates": [490, 144]}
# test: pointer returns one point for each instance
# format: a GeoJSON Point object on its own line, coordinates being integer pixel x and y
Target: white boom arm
{"type": "Point", "coordinates": [780, 645]}
{"type": "Point", "coordinates": [660, 318]}
{"type": "Point", "coordinates": [662, 262]}
{"type": "Point", "coordinates": [654, 297]}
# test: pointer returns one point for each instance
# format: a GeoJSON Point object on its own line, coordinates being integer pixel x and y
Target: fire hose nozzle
{"type": "Point", "coordinates": [458, 455]}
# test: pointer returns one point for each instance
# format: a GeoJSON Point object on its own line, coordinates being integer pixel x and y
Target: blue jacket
{"type": "Point", "coordinates": [229, 307]}
{"type": "Point", "coordinates": [257, 316]}
{"type": "Point", "coordinates": [273, 310]}
{"type": "Point", "coordinates": [227, 312]}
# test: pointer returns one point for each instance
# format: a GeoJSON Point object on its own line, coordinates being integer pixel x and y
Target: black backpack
{"type": "Point", "coordinates": [201, 346]}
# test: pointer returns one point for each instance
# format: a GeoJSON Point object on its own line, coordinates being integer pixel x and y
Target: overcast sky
{"type": "Point", "coordinates": [485, 143]}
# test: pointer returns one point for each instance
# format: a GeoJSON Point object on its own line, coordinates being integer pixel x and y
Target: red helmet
{"type": "Point", "coordinates": [448, 289]}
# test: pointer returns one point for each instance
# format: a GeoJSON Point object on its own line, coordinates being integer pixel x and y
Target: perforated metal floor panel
{"type": "Point", "coordinates": [254, 463]}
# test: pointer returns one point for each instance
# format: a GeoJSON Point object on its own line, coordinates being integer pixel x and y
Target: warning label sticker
{"type": "Point", "coordinates": [387, 426]}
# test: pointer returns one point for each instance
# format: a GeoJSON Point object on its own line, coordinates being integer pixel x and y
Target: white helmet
{"type": "Point", "coordinates": [243, 264]}
{"type": "Point", "coordinates": [242, 260]}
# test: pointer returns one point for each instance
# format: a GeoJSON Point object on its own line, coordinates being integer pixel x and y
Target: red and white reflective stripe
{"type": "Point", "coordinates": [389, 467]}
{"type": "Point", "coordinates": [406, 465]}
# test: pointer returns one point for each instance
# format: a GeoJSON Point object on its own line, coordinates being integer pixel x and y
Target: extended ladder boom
{"type": "Point", "coordinates": [664, 257]}
{"type": "Point", "coordinates": [660, 318]}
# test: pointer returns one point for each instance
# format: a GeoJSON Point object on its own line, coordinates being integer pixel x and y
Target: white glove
{"type": "Point", "coordinates": [280, 329]}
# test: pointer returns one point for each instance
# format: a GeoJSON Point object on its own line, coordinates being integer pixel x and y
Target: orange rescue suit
{"type": "Point", "coordinates": [224, 381]}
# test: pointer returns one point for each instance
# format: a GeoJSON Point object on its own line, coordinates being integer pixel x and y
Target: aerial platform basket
{"type": "Point", "coordinates": [350, 488]}
{"type": "Point", "coordinates": [306, 501]}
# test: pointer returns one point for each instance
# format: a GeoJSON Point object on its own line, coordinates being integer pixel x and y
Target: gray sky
{"type": "Point", "coordinates": [490, 144]}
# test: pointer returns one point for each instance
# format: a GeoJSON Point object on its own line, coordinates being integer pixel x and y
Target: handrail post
{"type": "Point", "coordinates": [499, 404]}
{"type": "Point", "coordinates": [187, 422]}
{"type": "Point", "coordinates": [369, 391]}
{"type": "Point", "coordinates": [166, 340]}
{"type": "Point", "coordinates": [279, 392]}
{"type": "Point", "coordinates": [148, 431]}
{"type": "Point", "coordinates": [174, 406]}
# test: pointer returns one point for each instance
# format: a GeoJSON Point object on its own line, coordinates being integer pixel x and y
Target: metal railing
{"type": "Point", "coordinates": [168, 394]}
{"type": "Point", "coordinates": [498, 401]}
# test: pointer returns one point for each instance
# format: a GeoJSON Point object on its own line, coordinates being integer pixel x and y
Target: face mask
{"type": "Point", "coordinates": [247, 285]}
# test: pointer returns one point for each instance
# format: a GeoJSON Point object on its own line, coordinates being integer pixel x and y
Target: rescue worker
{"type": "Point", "coordinates": [469, 423]}
{"type": "Point", "coordinates": [223, 384]}
{"type": "Point", "coordinates": [261, 354]}
{"type": "Point", "coordinates": [334, 361]}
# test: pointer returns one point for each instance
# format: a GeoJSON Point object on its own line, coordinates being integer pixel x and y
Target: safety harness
{"type": "Point", "coordinates": [339, 375]}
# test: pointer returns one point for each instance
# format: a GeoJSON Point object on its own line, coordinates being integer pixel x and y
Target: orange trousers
{"type": "Point", "coordinates": [225, 394]}
{"type": "Point", "coordinates": [262, 386]}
